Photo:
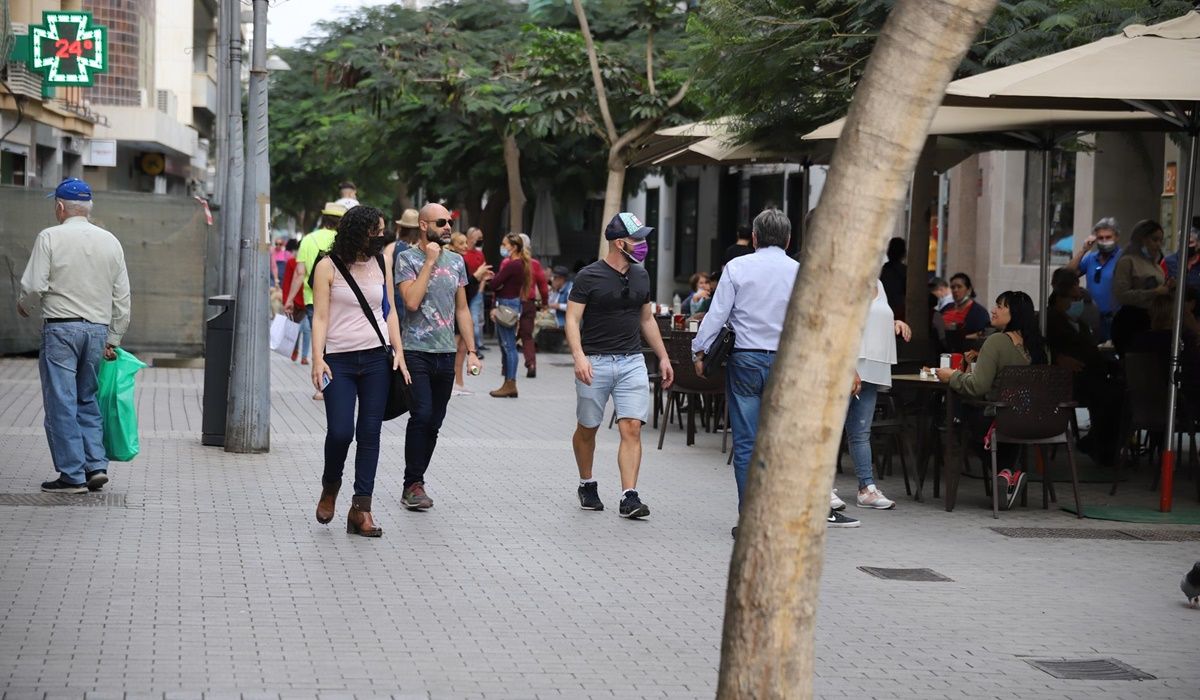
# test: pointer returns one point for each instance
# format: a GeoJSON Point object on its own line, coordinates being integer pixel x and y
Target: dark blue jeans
{"type": "Point", "coordinates": [432, 381]}
{"type": "Point", "coordinates": [362, 377]}
{"type": "Point", "coordinates": [746, 375]}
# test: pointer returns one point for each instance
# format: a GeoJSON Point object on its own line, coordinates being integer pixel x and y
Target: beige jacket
{"type": "Point", "coordinates": [1135, 280]}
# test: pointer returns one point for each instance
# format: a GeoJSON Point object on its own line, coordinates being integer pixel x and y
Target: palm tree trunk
{"type": "Point", "coordinates": [516, 195]}
{"type": "Point", "coordinates": [771, 604]}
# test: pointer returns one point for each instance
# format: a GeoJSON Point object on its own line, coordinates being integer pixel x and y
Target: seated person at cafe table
{"type": "Point", "coordinates": [964, 320]}
{"type": "Point", "coordinates": [1073, 345]}
{"type": "Point", "coordinates": [1018, 344]}
{"type": "Point", "coordinates": [698, 301]}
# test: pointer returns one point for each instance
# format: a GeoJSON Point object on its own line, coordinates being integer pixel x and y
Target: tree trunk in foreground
{"type": "Point", "coordinates": [614, 191]}
{"type": "Point", "coordinates": [770, 607]}
{"type": "Point", "coordinates": [516, 196]}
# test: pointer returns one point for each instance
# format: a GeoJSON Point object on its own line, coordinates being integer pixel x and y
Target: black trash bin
{"type": "Point", "coordinates": [218, 356]}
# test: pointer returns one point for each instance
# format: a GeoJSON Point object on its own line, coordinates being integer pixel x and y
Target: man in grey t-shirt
{"type": "Point", "coordinates": [432, 281]}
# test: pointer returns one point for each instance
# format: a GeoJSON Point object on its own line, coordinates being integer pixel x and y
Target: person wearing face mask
{"type": "Point", "coordinates": [433, 284]}
{"type": "Point", "coordinates": [350, 365]}
{"type": "Point", "coordinates": [1140, 277]}
{"type": "Point", "coordinates": [1096, 262]}
{"type": "Point", "coordinates": [1072, 344]}
{"type": "Point", "coordinates": [511, 284]}
{"type": "Point", "coordinates": [1191, 276]}
{"type": "Point", "coordinates": [608, 316]}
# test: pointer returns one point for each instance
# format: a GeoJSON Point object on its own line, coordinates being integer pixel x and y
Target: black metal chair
{"type": "Point", "coordinates": [688, 383]}
{"type": "Point", "coordinates": [1147, 377]}
{"type": "Point", "coordinates": [1034, 408]}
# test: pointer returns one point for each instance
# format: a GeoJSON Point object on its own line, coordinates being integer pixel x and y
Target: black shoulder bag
{"type": "Point", "coordinates": [717, 353]}
{"type": "Point", "coordinates": [397, 401]}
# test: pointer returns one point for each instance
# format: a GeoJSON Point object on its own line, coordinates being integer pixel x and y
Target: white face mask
{"type": "Point", "coordinates": [946, 298]}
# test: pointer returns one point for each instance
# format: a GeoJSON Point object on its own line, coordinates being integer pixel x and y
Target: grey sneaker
{"type": "Point", "coordinates": [415, 498]}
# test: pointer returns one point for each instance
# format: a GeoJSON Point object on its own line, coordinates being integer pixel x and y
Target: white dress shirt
{"type": "Point", "coordinates": [77, 270]}
{"type": "Point", "coordinates": [752, 296]}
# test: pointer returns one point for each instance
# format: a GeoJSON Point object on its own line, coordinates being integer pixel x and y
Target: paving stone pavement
{"type": "Point", "coordinates": [214, 581]}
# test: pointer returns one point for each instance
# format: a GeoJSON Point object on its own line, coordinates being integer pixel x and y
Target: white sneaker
{"type": "Point", "coordinates": [835, 502]}
{"type": "Point", "coordinates": [874, 498]}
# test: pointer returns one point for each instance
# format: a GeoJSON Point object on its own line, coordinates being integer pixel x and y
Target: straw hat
{"type": "Point", "coordinates": [410, 219]}
{"type": "Point", "coordinates": [333, 209]}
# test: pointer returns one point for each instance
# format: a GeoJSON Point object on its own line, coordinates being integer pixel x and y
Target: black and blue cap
{"type": "Point", "coordinates": [73, 190]}
{"type": "Point", "coordinates": [626, 225]}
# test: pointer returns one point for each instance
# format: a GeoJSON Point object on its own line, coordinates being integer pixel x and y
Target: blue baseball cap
{"type": "Point", "coordinates": [626, 225]}
{"type": "Point", "coordinates": [72, 189]}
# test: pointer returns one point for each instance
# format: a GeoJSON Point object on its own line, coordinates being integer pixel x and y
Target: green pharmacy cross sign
{"type": "Point", "coordinates": [67, 49]}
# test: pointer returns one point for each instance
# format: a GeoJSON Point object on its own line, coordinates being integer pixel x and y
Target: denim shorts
{"type": "Point", "coordinates": [624, 378]}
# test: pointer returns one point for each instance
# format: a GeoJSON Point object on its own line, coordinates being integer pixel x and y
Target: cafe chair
{"type": "Point", "coordinates": [688, 383]}
{"type": "Point", "coordinates": [1146, 387]}
{"type": "Point", "coordinates": [1034, 408]}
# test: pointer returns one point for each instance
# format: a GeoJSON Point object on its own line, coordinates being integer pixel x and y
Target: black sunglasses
{"type": "Point", "coordinates": [1096, 277]}
{"type": "Point", "coordinates": [624, 287]}
{"type": "Point", "coordinates": [438, 222]}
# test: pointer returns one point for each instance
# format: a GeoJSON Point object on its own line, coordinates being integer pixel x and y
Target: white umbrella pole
{"type": "Point", "coordinates": [1168, 455]}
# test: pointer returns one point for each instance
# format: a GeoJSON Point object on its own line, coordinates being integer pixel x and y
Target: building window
{"type": "Point", "coordinates": [687, 225]}
{"type": "Point", "coordinates": [12, 168]}
{"type": "Point", "coordinates": [1062, 207]}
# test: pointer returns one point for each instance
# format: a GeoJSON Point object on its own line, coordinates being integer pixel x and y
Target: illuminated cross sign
{"type": "Point", "coordinates": [68, 49]}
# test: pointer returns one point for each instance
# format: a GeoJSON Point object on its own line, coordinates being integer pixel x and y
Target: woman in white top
{"type": "Point", "coordinates": [350, 364]}
{"type": "Point", "coordinates": [876, 355]}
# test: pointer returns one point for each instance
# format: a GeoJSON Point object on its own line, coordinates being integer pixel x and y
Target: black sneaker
{"type": "Point", "coordinates": [96, 480]}
{"type": "Point", "coordinates": [589, 497]}
{"type": "Point", "coordinates": [632, 506]}
{"type": "Point", "coordinates": [734, 532]}
{"type": "Point", "coordinates": [60, 486]}
{"type": "Point", "coordinates": [836, 519]}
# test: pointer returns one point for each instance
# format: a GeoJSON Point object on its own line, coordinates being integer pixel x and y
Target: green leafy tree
{"type": "Point", "coordinates": [784, 67]}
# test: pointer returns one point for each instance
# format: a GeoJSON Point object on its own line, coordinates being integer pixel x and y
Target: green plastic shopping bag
{"type": "Point", "coordinates": [118, 408]}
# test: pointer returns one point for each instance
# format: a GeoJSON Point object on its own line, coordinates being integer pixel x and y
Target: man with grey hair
{"type": "Point", "coordinates": [1098, 266]}
{"type": "Point", "coordinates": [752, 299]}
{"type": "Point", "coordinates": [76, 275]}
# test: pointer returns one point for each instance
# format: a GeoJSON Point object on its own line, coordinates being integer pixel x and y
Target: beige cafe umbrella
{"type": "Point", "coordinates": [1153, 69]}
{"type": "Point", "coordinates": [960, 131]}
{"type": "Point", "coordinates": [674, 138]}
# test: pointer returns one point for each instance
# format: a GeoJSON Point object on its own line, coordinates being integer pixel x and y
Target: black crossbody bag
{"type": "Point", "coordinates": [717, 353]}
{"type": "Point", "coordinates": [397, 401]}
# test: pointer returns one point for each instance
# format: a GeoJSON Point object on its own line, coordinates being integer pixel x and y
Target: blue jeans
{"type": "Point", "coordinates": [362, 377]}
{"type": "Point", "coordinates": [305, 336]}
{"type": "Point", "coordinates": [508, 339]}
{"type": "Point", "coordinates": [746, 376]}
{"type": "Point", "coordinates": [858, 432]}
{"type": "Point", "coordinates": [476, 306]}
{"type": "Point", "coordinates": [69, 360]}
{"type": "Point", "coordinates": [432, 381]}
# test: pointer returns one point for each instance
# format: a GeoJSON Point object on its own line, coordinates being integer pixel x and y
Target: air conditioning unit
{"type": "Point", "coordinates": [166, 102]}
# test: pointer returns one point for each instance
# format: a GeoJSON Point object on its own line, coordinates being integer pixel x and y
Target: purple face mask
{"type": "Point", "coordinates": [639, 252]}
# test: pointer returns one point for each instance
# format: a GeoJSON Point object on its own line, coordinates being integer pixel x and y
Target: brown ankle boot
{"type": "Point", "coordinates": [507, 390]}
{"type": "Point", "coordinates": [328, 502]}
{"type": "Point", "coordinates": [359, 521]}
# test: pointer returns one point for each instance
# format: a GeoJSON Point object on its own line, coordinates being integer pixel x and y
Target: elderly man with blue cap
{"type": "Point", "coordinates": [608, 314]}
{"type": "Point", "coordinates": [76, 275]}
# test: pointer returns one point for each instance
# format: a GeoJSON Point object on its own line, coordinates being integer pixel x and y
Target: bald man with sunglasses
{"type": "Point", "coordinates": [431, 279]}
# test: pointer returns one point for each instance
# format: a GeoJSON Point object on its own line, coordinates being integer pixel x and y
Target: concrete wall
{"type": "Point", "coordinates": [1121, 178]}
{"type": "Point", "coordinates": [164, 240]}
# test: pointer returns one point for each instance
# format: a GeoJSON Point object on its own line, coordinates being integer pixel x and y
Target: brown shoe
{"type": "Point", "coordinates": [359, 521]}
{"type": "Point", "coordinates": [415, 498]}
{"type": "Point", "coordinates": [507, 390]}
{"type": "Point", "coordinates": [328, 501]}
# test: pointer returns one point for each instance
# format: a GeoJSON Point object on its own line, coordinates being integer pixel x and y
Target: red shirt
{"type": "Point", "coordinates": [288, 273]}
{"type": "Point", "coordinates": [539, 283]}
{"type": "Point", "coordinates": [473, 258]}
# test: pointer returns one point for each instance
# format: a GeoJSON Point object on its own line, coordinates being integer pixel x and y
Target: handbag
{"type": "Point", "coordinates": [397, 401]}
{"type": "Point", "coordinates": [718, 352]}
{"type": "Point", "coordinates": [506, 316]}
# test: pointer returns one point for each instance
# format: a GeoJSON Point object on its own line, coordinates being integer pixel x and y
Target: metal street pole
{"type": "Point", "coordinates": [248, 421]}
{"type": "Point", "coordinates": [236, 152]}
{"type": "Point", "coordinates": [224, 32]}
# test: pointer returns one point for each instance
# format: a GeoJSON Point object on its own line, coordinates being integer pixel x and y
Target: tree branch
{"type": "Point", "coordinates": [597, 79]}
{"type": "Point", "coordinates": [678, 97]}
{"type": "Point", "coordinates": [650, 61]}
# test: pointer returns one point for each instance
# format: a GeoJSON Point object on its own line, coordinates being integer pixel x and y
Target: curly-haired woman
{"type": "Point", "coordinates": [350, 364]}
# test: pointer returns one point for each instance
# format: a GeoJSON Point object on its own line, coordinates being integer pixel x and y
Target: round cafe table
{"type": "Point", "coordinates": [951, 444]}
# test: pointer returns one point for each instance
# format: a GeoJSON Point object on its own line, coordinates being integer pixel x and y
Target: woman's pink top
{"type": "Point", "coordinates": [349, 329]}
